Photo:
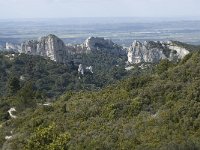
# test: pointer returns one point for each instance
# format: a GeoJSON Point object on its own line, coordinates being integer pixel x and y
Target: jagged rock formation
{"type": "Point", "coordinates": [154, 51]}
{"type": "Point", "coordinates": [94, 44]}
{"type": "Point", "coordinates": [29, 47]}
{"type": "Point", "coordinates": [180, 51]}
{"type": "Point", "coordinates": [12, 47]}
{"type": "Point", "coordinates": [100, 44]}
{"type": "Point", "coordinates": [81, 69]}
{"type": "Point", "coordinates": [89, 68]}
{"type": "Point", "coordinates": [49, 46]}
{"type": "Point", "coordinates": [54, 48]}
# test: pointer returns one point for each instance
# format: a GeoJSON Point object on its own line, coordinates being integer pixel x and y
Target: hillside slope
{"type": "Point", "coordinates": [158, 111]}
{"type": "Point", "coordinates": [52, 79]}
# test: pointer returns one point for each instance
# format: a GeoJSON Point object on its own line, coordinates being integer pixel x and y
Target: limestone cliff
{"type": "Point", "coordinates": [49, 46]}
{"type": "Point", "coordinates": [12, 47]}
{"type": "Point", "coordinates": [54, 48]}
{"type": "Point", "coordinates": [154, 51]}
{"type": "Point", "coordinates": [93, 44]}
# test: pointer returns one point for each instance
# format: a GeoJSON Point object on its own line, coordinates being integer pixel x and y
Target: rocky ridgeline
{"type": "Point", "coordinates": [101, 44]}
{"type": "Point", "coordinates": [154, 51]}
{"type": "Point", "coordinates": [54, 48]}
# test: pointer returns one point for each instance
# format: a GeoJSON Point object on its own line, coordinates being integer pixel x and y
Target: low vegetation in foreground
{"type": "Point", "coordinates": [157, 111]}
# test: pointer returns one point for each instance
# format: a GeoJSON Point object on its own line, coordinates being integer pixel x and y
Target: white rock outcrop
{"type": "Point", "coordinates": [154, 51]}
{"type": "Point", "coordinates": [10, 112]}
{"type": "Point", "coordinates": [8, 137]}
{"type": "Point", "coordinates": [49, 46]}
{"type": "Point", "coordinates": [12, 47]}
{"type": "Point", "coordinates": [101, 44]}
{"type": "Point", "coordinates": [181, 52]}
{"type": "Point", "coordinates": [89, 68]}
{"type": "Point", "coordinates": [54, 48]}
{"type": "Point", "coordinates": [81, 69]}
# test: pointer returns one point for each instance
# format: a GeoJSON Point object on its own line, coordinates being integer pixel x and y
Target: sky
{"type": "Point", "coordinates": [15, 9]}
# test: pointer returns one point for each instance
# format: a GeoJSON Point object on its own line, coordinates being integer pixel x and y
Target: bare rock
{"type": "Point", "coordinates": [49, 46]}
{"type": "Point", "coordinates": [154, 51]}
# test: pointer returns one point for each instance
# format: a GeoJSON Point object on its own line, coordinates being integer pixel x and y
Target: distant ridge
{"type": "Point", "coordinates": [52, 47]}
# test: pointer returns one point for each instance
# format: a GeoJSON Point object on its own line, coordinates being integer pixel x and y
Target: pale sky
{"type": "Point", "coordinates": [98, 8]}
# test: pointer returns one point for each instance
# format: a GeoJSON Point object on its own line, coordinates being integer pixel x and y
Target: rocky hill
{"type": "Point", "coordinates": [49, 47]}
{"type": "Point", "coordinates": [154, 51]}
{"type": "Point", "coordinates": [93, 44]}
{"type": "Point", "coordinates": [150, 51]}
{"type": "Point", "coordinates": [54, 48]}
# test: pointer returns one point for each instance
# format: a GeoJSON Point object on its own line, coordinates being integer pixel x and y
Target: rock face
{"type": "Point", "coordinates": [29, 47]}
{"type": "Point", "coordinates": [154, 51]}
{"type": "Point", "coordinates": [12, 47]}
{"type": "Point", "coordinates": [100, 44]}
{"type": "Point", "coordinates": [49, 46]}
{"type": "Point", "coordinates": [90, 69]}
{"type": "Point", "coordinates": [54, 48]}
{"type": "Point", "coordinates": [81, 69]}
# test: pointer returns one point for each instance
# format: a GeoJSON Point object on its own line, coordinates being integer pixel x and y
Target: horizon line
{"type": "Point", "coordinates": [94, 17]}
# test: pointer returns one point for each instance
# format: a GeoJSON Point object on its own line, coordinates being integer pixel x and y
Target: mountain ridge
{"type": "Point", "coordinates": [150, 51]}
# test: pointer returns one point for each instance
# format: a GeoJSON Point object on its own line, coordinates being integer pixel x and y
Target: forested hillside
{"type": "Point", "coordinates": [51, 79]}
{"type": "Point", "coordinates": [151, 111]}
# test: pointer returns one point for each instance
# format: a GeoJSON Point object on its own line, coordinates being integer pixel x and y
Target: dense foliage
{"type": "Point", "coordinates": [157, 111]}
{"type": "Point", "coordinates": [52, 79]}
